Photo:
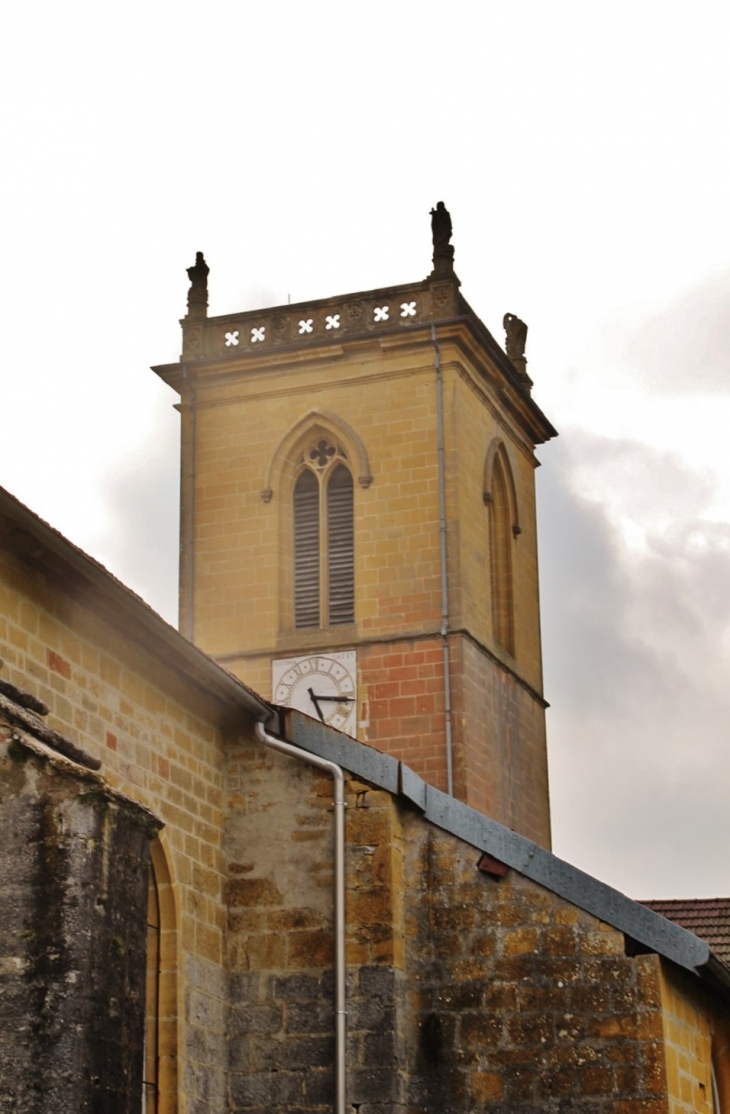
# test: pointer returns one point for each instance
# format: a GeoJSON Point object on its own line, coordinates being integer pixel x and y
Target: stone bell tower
{"type": "Point", "coordinates": [358, 524]}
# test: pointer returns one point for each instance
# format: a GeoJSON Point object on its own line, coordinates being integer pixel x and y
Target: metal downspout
{"type": "Point", "coordinates": [338, 799]}
{"type": "Point", "coordinates": [444, 580]}
{"type": "Point", "coordinates": [190, 570]}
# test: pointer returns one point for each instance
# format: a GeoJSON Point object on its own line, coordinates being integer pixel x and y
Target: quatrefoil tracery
{"type": "Point", "coordinates": [332, 322]}
{"type": "Point", "coordinates": [321, 454]}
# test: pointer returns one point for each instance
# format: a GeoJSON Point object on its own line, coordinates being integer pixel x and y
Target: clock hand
{"type": "Point", "coordinates": [315, 700]}
{"type": "Point", "coordinates": [338, 699]}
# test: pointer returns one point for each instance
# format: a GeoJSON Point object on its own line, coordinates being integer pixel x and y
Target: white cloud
{"type": "Point", "coordinates": [636, 660]}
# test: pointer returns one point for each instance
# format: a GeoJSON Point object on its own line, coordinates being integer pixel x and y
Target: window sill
{"type": "Point", "coordinates": [290, 642]}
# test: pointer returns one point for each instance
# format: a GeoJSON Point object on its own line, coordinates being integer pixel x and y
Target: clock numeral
{"type": "Point", "coordinates": [322, 686]}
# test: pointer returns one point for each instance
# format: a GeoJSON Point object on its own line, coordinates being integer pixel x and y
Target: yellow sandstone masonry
{"type": "Point", "coordinates": [471, 989]}
{"type": "Point", "coordinates": [695, 1034]}
{"type": "Point", "coordinates": [362, 381]}
{"type": "Point", "coordinates": [159, 742]}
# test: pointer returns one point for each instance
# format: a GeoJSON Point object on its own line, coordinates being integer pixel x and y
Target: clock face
{"type": "Point", "coordinates": [323, 686]}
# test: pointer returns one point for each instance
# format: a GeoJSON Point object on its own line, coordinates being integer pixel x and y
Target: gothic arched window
{"type": "Point", "coordinates": [720, 1068]}
{"type": "Point", "coordinates": [152, 1027]}
{"type": "Point", "coordinates": [501, 533]}
{"type": "Point", "coordinates": [160, 1038]}
{"type": "Point", "coordinates": [324, 558]}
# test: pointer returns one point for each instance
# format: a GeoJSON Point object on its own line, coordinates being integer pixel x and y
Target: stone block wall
{"type": "Point", "coordinates": [500, 743]}
{"type": "Point", "coordinates": [696, 1039]}
{"type": "Point", "coordinates": [521, 1002]}
{"type": "Point", "coordinates": [74, 861]}
{"type": "Point", "coordinates": [477, 422]}
{"type": "Point", "coordinates": [465, 993]}
{"type": "Point", "coordinates": [279, 850]}
{"type": "Point", "coordinates": [159, 740]}
{"type": "Point", "coordinates": [281, 944]}
{"type": "Point", "coordinates": [251, 416]}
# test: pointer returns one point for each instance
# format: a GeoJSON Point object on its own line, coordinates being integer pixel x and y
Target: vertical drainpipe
{"type": "Point", "coordinates": [338, 800]}
{"type": "Point", "coordinates": [190, 540]}
{"type": "Point", "coordinates": [444, 578]}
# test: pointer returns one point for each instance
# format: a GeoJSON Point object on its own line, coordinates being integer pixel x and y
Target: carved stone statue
{"type": "Point", "coordinates": [441, 229]}
{"type": "Point", "coordinates": [443, 250]}
{"type": "Point", "coordinates": [198, 292]}
{"type": "Point", "coordinates": [516, 331]}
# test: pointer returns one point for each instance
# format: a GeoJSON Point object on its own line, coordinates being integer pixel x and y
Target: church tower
{"type": "Point", "coordinates": [358, 525]}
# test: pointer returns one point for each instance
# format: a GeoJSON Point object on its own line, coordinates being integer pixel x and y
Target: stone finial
{"type": "Point", "coordinates": [516, 339]}
{"type": "Point", "coordinates": [443, 249]}
{"type": "Point", "coordinates": [198, 292]}
{"type": "Point", "coordinates": [516, 331]}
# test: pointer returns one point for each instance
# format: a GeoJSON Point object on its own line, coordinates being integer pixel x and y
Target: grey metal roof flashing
{"type": "Point", "coordinates": [648, 929]}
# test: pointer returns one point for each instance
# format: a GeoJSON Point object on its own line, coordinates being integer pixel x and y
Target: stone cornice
{"type": "Point", "coordinates": [235, 344]}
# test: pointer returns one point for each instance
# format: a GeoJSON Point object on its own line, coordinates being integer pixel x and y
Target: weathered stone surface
{"type": "Point", "coordinates": [551, 1017]}
{"type": "Point", "coordinates": [72, 938]}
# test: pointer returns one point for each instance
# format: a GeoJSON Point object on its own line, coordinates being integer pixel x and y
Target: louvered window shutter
{"type": "Point", "coordinates": [340, 548]}
{"type": "Point", "coordinates": [306, 551]}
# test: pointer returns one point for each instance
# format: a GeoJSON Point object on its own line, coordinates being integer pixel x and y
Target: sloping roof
{"type": "Point", "coordinates": [43, 547]}
{"type": "Point", "coordinates": [707, 917]}
{"type": "Point", "coordinates": [637, 920]}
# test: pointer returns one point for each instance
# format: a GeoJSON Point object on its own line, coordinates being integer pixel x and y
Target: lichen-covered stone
{"type": "Point", "coordinates": [74, 856]}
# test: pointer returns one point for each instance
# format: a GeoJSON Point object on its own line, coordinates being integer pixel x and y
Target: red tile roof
{"type": "Point", "coordinates": [707, 917]}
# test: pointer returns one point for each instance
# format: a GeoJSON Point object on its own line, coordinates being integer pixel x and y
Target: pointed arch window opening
{"type": "Point", "coordinates": [500, 552]}
{"type": "Point", "coordinates": [324, 564]}
{"type": "Point", "coordinates": [150, 1082]}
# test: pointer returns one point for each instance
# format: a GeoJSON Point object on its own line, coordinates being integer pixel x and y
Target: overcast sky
{"type": "Point", "coordinates": [582, 150]}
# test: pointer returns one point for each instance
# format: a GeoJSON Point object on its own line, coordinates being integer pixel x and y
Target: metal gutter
{"type": "Point", "coordinates": [444, 567]}
{"type": "Point", "coordinates": [42, 546]}
{"type": "Point", "coordinates": [189, 587]}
